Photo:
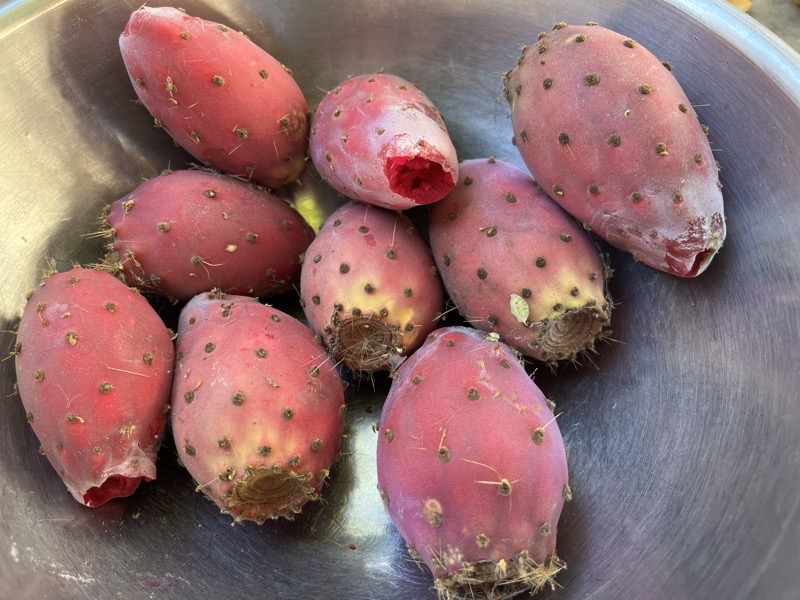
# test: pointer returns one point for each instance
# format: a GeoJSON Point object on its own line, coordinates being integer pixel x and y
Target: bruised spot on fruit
{"type": "Point", "coordinates": [432, 511]}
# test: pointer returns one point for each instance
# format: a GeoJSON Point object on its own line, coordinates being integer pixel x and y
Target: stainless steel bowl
{"type": "Point", "coordinates": [683, 437]}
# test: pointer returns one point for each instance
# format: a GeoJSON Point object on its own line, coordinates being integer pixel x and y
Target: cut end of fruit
{"type": "Point", "coordinates": [572, 333]}
{"type": "Point", "coordinates": [269, 493]}
{"type": "Point", "coordinates": [420, 179]}
{"type": "Point", "coordinates": [365, 344]}
{"type": "Point", "coordinates": [491, 580]}
{"type": "Point", "coordinates": [116, 486]}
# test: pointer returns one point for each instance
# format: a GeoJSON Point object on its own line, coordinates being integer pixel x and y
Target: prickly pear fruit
{"type": "Point", "coordinates": [257, 412]}
{"type": "Point", "coordinates": [189, 231]}
{"type": "Point", "coordinates": [370, 288]}
{"type": "Point", "coordinates": [515, 263]}
{"type": "Point", "coordinates": [221, 97]}
{"type": "Point", "coordinates": [378, 139]}
{"type": "Point", "coordinates": [94, 370]}
{"type": "Point", "coordinates": [472, 467]}
{"type": "Point", "coordinates": [607, 130]}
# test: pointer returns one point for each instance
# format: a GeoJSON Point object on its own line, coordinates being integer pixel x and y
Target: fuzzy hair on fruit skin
{"type": "Point", "coordinates": [513, 262]}
{"type": "Point", "coordinates": [258, 410]}
{"type": "Point", "coordinates": [606, 129]}
{"type": "Point", "coordinates": [94, 371]}
{"type": "Point", "coordinates": [370, 288]}
{"type": "Point", "coordinates": [472, 467]}
{"type": "Point", "coordinates": [190, 231]}
{"type": "Point", "coordinates": [221, 97]}
{"type": "Point", "coordinates": [380, 140]}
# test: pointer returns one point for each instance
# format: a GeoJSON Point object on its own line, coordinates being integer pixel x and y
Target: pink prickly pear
{"type": "Point", "coordinates": [380, 140]}
{"type": "Point", "coordinates": [515, 263]}
{"type": "Point", "coordinates": [94, 368]}
{"type": "Point", "coordinates": [257, 414]}
{"type": "Point", "coordinates": [187, 232]}
{"type": "Point", "coordinates": [370, 288]}
{"type": "Point", "coordinates": [472, 467]}
{"type": "Point", "coordinates": [608, 131]}
{"type": "Point", "coordinates": [221, 97]}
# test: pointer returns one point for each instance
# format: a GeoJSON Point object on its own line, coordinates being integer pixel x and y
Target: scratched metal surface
{"type": "Point", "coordinates": [683, 439]}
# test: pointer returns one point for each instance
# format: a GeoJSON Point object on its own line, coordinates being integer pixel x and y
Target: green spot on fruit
{"type": "Point", "coordinates": [629, 43]}
{"type": "Point", "coordinates": [565, 237]}
{"type": "Point", "coordinates": [390, 254]}
{"type": "Point", "coordinates": [264, 450]}
{"type": "Point", "coordinates": [263, 73]}
{"type": "Point", "coordinates": [189, 449]}
{"type": "Point", "coordinates": [224, 443]}
{"type": "Point", "coordinates": [645, 89]}
{"type": "Point", "coordinates": [698, 158]}
{"type": "Point", "coordinates": [510, 197]}
{"type": "Point", "coordinates": [261, 352]}
{"type": "Point", "coordinates": [163, 227]}
{"type": "Point", "coordinates": [444, 454]}
{"type": "Point", "coordinates": [468, 180]}
{"type": "Point", "coordinates": [210, 347]}
{"type": "Point", "coordinates": [505, 364]}
{"type": "Point", "coordinates": [677, 198]}
{"type": "Point", "coordinates": [408, 292]}
{"type": "Point", "coordinates": [547, 83]}
{"type": "Point", "coordinates": [314, 371]}
{"type": "Point", "coordinates": [147, 358]}
{"type": "Point", "coordinates": [544, 529]}
{"type": "Point", "coordinates": [490, 231]}
{"type": "Point", "coordinates": [446, 260]}
{"type": "Point", "coordinates": [251, 237]}
{"type": "Point", "coordinates": [473, 393]}
{"type": "Point", "coordinates": [188, 397]}
{"type": "Point", "coordinates": [594, 189]}
{"type": "Point", "coordinates": [538, 436]}
{"type": "Point", "coordinates": [519, 308]}
{"type": "Point", "coordinates": [557, 306]}
{"type": "Point", "coordinates": [683, 108]}
{"type": "Point", "coordinates": [566, 493]}
{"type": "Point", "coordinates": [110, 306]}
{"type": "Point", "coordinates": [238, 398]}
{"type": "Point", "coordinates": [636, 197]}
{"type": "Point", "coordinates": [288, 413]}
{"type": "Point", "coordinates": [614, 140]}
{"type": "Point", "coordinates": [416, 379]}
{"type": "Point", "coordinates": [316, 258]}
{"type": "Point", "coordinates": [563, 138]}
{"type": "Point", "coordinates": [315, 299]}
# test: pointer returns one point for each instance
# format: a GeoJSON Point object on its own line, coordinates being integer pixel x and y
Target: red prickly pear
{"type": "Point", "coordinates": [94, 368]}
{"type": "Point", "coordinates": [187, 232]}
{"type": "Point", "coordinates": [472, 468]}
{"type": "Point", "coordinates": [380, 140]}
{"type": "Point", "coordinates": [515, 263]}
{"type": "Point", "coordinates": [257, 414]}
{"type": "Point", "coordinates": [370, 288]}
{"type": "Point", "coordinates": [221, 97]}
{"type": "Point", "coordinates": [608, 131]}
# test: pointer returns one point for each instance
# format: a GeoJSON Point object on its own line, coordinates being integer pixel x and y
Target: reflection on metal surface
{"type": "Point", "coordinates": [682, 440]}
